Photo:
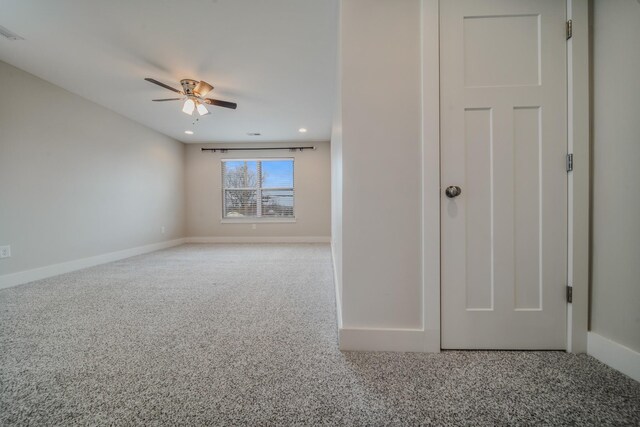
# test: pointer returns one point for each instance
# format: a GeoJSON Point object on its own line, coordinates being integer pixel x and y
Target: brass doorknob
{"type": "Point", "coordinates": [453, 191]}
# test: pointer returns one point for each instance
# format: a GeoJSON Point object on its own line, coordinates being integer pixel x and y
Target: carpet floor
{"type": "Point", "coordinates": [246, 335]}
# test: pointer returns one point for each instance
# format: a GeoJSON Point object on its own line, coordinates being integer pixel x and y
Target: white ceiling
{"type": "Point", "coordinates": [275, 58]}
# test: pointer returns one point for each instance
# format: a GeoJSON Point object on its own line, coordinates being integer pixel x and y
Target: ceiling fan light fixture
{"type": "Point", "coordinates": [189, 106]}
{"type": "Point", "coordinates": [202, 110]}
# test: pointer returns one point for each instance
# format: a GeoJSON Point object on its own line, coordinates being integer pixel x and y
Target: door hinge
{"type": "Point", "coordinates": [569, 29]}
{"type": "Point", "coordinates": [569, 294]}
{"type": "Point", "coordinates": [569, 162]}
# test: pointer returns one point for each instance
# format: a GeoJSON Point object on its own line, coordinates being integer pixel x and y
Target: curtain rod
{"type": "Point", "coordinates": [224, 150]}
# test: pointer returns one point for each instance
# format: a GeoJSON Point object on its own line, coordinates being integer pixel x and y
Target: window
{"type": "Point", "coordinates": [257, 188]}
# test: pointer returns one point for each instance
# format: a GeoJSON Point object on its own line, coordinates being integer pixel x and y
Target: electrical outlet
{"type": "Point", "coordinates": [5, 251]}
{"type": "Point", "coordinates": [162, 229]}
{"type": "Point", "coordinates": [253, 226]}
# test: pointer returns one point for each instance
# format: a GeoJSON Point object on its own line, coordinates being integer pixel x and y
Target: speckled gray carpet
{"type": "Point", "coordinates": [246, 335]}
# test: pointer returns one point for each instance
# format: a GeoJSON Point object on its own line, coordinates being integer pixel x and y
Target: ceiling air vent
{"type": "Point", "coordinates": [9, 35]}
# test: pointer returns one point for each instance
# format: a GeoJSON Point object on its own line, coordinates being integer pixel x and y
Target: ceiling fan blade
{"type": "Point", "coordinates": [219, 103]}
{"type": "Point", "coordinates": [154, 81]}
{"type": "Point", "coordinates": [202, 88]}
{"type": "Point", "coordinates": [168, 99]}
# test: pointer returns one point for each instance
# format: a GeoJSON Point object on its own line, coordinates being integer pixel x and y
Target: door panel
{"type": "Point", "coordinates": [504, 141]}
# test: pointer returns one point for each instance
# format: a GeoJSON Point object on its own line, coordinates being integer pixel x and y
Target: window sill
{"type": "Point", "coordinates": [256, 220]}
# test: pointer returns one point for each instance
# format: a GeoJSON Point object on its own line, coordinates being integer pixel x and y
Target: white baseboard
{"type": "Point", "coordinates": [259, 239]}
{"type": "Point", "coordinates": [616, 355]}
{"type": "Point", "coordinates": [27, 276]}
{"type": "Point", "coordinates": [336, 282]}
{"type": "Point", "coordinates": [401, 340]}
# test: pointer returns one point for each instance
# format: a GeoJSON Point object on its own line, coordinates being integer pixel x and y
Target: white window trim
{"type": "Point", "coordinates": [258, 219]}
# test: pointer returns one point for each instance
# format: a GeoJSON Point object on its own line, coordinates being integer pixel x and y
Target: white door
{"type": "Point", "coordinates": [504, 144]}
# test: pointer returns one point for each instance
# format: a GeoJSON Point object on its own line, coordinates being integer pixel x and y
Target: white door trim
{"type": "Point", "coordinates": [431, 173]}
{"type": "Point", "coordinates": [578, 221]}
{"type": "Point", "coordinates": [579, 191]}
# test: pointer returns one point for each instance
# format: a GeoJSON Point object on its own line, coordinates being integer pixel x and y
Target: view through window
{"type": "Point", "coordinates": [257, 188]}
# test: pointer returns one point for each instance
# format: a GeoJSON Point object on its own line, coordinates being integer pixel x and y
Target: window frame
{"type": "Point", "coordinates": [259, 189]}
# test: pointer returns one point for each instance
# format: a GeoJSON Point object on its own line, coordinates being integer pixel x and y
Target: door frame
{"type": "Point", "coordinates": [578, 180]}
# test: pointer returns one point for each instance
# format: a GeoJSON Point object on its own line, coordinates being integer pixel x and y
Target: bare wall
{"type": "Point", "coordinates": [615, 293]}
{"type": "Point", "coordinates": [381, 164]}
{"type": "Point", "coordinates": [78, 180]}
{"type": "Point", "coordinates": [312, 193]}
{"type": "Point", "coordinates": [336, 180]}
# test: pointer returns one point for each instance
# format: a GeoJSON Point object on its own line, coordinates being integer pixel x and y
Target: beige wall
{"type": "Point", "coordinates": [77, 180]}
{"type": "Point", "coordinates": [381, 164]}
{"type": "Point", "coordinates": [615, 293]}
{"type": "Point", "coordinates": [312, 193]}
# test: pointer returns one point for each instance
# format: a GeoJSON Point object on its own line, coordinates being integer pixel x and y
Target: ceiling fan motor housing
{"type": "Point", "coordinates": [188, 86]}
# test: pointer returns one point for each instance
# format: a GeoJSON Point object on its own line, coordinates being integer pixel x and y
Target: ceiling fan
{"type": "Point", "coordinates": [193, 94]}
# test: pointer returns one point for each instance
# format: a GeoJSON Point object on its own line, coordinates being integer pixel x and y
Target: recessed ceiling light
{"type": "Point", "coordinates": [188, 132]}
{"type": "Point", "coordinates": [254, 133]}
{"type": "Point", "coordinates": [302, 130]}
